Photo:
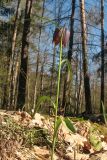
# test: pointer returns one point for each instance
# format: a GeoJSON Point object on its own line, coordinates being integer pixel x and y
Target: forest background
{"type": "Point", "coordinates": [29, 59]}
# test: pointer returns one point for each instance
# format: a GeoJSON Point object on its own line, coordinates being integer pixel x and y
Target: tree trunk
{"type": "Point", "coordinates": [12, 60]}
{"type": "Point", "coordinates": [36, 80]}
{"type": "Point", "coordinates": [52, 72]}
{"type": "Point", "coordinates": [88, 106]}
{"type": "Point", "coordinates": [102, 54]}
{"type": "Point", "coordinates": [42, 75]}
{"type": "Point", "coordinates": [70, 49]}
{"type": "Point", "coordinates": [76, 84]}
{"type": "Point", "coordinates": [38, 57]}
{"type": "Point", "coordinates": [15, 82]}
{"type": "Point", "coordinates": [24, 57]}
{"type": "Point", "coordinates": [80, 85]}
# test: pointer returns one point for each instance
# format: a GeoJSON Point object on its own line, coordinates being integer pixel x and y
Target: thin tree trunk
{"type": "Point", "coordinates": [88, 106]}
{"type": "Point", "coordinates": [36, 81]}
{"type": "Point", "coordinates": [71, 31]}
{"type": "Point", "coordinates": [41, 83]}
{"type": "Point", "coordinates": [12, 60]}
{"type": "Point", "coordinates": [42, 75]}
{"type": "Point", "coordinates": [70, 49]}
{"type": "Point", "coordinates": [81, 98]}
{"type": "Point", "coordinates": [76, 84]}
{"type": "Point", "coordinates": [38, 56]}
{"type": "Point", "coordinates": [102, 55]}
{"type": "Point", "coordinates": [15, 81]}
{"type": "Point", "coordinates": [80, 85]}
{"type": "Point", "coordinates": [94, 95]}
{"type": "Point", "coordinates": [24, 57]}
{"type": "Point", "coordinates": [28, 92]}
{"type": "Point", "coordinates": [52, 72]}
{"type": "Point", "coordinates": [54, 54]}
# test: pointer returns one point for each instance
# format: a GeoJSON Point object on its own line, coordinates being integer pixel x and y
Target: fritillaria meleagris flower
{"type": "Point", "coordinates": [61, 32]}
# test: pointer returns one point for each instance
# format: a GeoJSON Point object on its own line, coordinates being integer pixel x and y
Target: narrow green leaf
{"type": "Point", "coordinates": [58, 123]}
{"type": "Point", "coordinates": [65, 61]}
{"type": "Point", "coordinates": [41, 100]}
{"type": "Point", "coordinates": [69, 125]}
{"type": "Point", "coordinates": [94, 140]}
{"type": "Point", "coordinates": [104, 113]}
{"type": "Point", "coordinates": [98, 146]}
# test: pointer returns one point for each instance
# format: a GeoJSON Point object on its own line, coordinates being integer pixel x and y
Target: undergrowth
{"type": "Point", "coordinates": [14, 136]}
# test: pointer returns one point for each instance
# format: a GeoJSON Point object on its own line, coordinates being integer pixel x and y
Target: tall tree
{"type": "Point", "coordinates": [102, 54]}
{"type": "Point", "coordinates": [88, 106]}
{"type": "Point", "coordinates": [11, 75]}
{"type": "Point", "coordinates": [57, 15]}
{"type": "Point", "coordinates": [70, 52]}
{"type": "Point", "coordinates": [24, 56]}
{"type": "Point", "coordinates": [6, 30]}
{"type": "Point", "coordinates": [38, 56]}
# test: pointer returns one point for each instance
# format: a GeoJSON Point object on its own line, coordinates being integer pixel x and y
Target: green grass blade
{"type": "Point", "coordinates": [69, 125]}
{"type": "Point", "coordinates": [41, 100]}
{"type": "Point", "coordinates": [94, 140]}
{"type": "Point", "coordinates": [104, 113]}
{"type": "Point", "coordinates": [65, 61]}
{"type": "Point", "coordinates": [58, 123]}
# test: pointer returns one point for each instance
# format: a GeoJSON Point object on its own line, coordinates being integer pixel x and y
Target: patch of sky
{"type": "Point", "coordinates": [6, 13]}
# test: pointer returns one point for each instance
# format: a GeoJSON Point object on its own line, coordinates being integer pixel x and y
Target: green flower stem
{"type": "Point", "coordinates": [59, 76]}
{"type": "Point", "coordinates": [57, 96]}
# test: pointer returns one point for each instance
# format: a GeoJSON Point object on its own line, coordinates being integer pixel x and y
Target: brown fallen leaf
{"type": "Point", "coordinates": [25, 116]}
{"type": "Point", "coordinates": [86, 148]}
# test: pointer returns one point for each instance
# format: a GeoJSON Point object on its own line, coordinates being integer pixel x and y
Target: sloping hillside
{"type": "Point", "coordinates": [24, 138]}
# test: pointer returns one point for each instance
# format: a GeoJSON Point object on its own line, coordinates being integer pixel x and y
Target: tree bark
{"type": "Point", "coordinates": [24, 57]}
{"type": "Point", "coordinates": [38, 61]}
{"type": "Point", "coordinates": [12, 59]}
{"type": "Point", "coordinates": [88, 106]}
{"type": "Point", "coordinates": [102, 55]}
{"type": "Point", "coordinates": [52, 72]}
{"type": "Point", "coordinates": [70, 48]}
{"type": "Point", "coordinates": [42, 75]}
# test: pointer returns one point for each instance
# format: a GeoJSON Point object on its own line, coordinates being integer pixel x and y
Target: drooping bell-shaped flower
{"type": "Point", "coordinates": [61, 33]}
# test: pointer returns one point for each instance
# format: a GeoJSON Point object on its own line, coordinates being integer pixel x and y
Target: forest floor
{"type": "Point", "coordinates": [24, 138]}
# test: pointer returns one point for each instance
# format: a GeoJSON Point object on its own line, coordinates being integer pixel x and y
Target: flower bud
{"type": "Point", "coordinates": [61, 33]}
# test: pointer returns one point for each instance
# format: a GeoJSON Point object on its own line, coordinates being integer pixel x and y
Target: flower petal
{"type": "Point", "coordinates": [66, 37]}
{"type": "Point", "coordinates": [56, 38]}
{"type": "Point", "coordinates": [61, 32]}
